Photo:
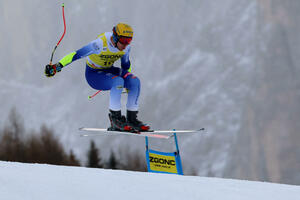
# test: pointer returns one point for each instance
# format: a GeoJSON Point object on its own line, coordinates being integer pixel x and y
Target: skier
{"type": "Point", "coordinates": [101, 74]}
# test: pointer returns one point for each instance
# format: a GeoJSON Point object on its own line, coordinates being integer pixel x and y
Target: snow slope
{"type": "Point", "coordinates": [20, 181]}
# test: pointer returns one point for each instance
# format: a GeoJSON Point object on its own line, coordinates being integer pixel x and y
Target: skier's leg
{"type": "Point", "coordinates": [101, 80]}
{"type": "Point", "coordinates": [133, 84]}
{"type": "Point", "coordinates": [104, 80]}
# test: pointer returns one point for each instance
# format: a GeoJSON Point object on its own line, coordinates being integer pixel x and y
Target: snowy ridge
{"type": "Point", "coordinates": [47, 182]}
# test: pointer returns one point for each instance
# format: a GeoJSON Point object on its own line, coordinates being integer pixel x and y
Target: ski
{"type": "Point", "coordinates": [104, 131]}
{"type": "Point", "coordinates": [153, 133]}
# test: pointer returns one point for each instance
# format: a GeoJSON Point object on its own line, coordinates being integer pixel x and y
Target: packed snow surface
{"type": "Point", "coordinates": [20, 181]}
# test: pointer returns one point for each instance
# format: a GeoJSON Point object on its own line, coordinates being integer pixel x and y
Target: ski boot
{"type": "Point", "coordinates": [134, 123]}
{"type": "Point", "coordinates": [118, 122]}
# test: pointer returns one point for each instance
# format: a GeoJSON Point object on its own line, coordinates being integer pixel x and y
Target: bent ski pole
{"type": "Point", "coordinates": [63, 13]}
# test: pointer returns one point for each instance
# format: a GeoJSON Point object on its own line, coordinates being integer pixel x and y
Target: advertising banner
{"type": "Point", "coordinates": [162, 162]}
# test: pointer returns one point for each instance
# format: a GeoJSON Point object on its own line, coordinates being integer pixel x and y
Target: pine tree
{"type": "Point", "coordinates": [52, 149]}
{"type": "Point", "coordinates": [72, 161]}
{"type": "Point", "coordinates": [93, 156]}
{"type": "Point", "coordinates": [112, 162]}
{"type": "Point", "coordinates": [12, 147]}
{"type": "Point", "coordinates": [132, 161]}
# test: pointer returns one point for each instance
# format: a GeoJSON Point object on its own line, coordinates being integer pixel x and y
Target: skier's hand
{"type": "Point", "coordinates": [50, 70]}
{"type": "Point", "coordinates": [125, 73]}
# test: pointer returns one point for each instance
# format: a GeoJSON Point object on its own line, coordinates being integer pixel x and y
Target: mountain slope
{"type": "Point", "coordinates": [48, 182]}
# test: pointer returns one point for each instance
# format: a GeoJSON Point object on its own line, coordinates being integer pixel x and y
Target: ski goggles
{"type": "Point", "coordinates": [125, 40]}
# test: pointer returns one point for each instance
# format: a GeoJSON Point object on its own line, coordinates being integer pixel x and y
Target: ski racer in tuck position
{"type": "Point", "coordinates": [101, 74]}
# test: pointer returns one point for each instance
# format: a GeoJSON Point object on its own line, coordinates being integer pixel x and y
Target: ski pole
{"type": "Point", "coordinates": [124, 92]}
{"type": "Point", "coordinates": [101, 90]}
{"type": "Point", "coordinates": [63, 13]}
{"type": "Point", "coordinates": [95, 94]}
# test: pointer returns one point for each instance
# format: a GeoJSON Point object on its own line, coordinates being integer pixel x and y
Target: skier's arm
{"type": "Point", "coordinates": [93, 47]}
{"type": "Point", "coordinates": [125, 63]}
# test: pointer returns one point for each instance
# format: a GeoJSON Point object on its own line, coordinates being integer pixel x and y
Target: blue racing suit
{"type": "Point", "coordinates": [101, 74]}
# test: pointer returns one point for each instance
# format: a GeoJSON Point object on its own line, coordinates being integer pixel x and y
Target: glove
{"type": "Point", "coordinates": [50, 70]}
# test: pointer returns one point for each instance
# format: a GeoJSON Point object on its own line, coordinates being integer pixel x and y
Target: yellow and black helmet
{"type": "Point", "coordinates": [122, 33]}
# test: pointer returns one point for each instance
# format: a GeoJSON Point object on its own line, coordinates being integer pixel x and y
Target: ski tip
{"type": "Point", "coordinates": [201, 129]}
